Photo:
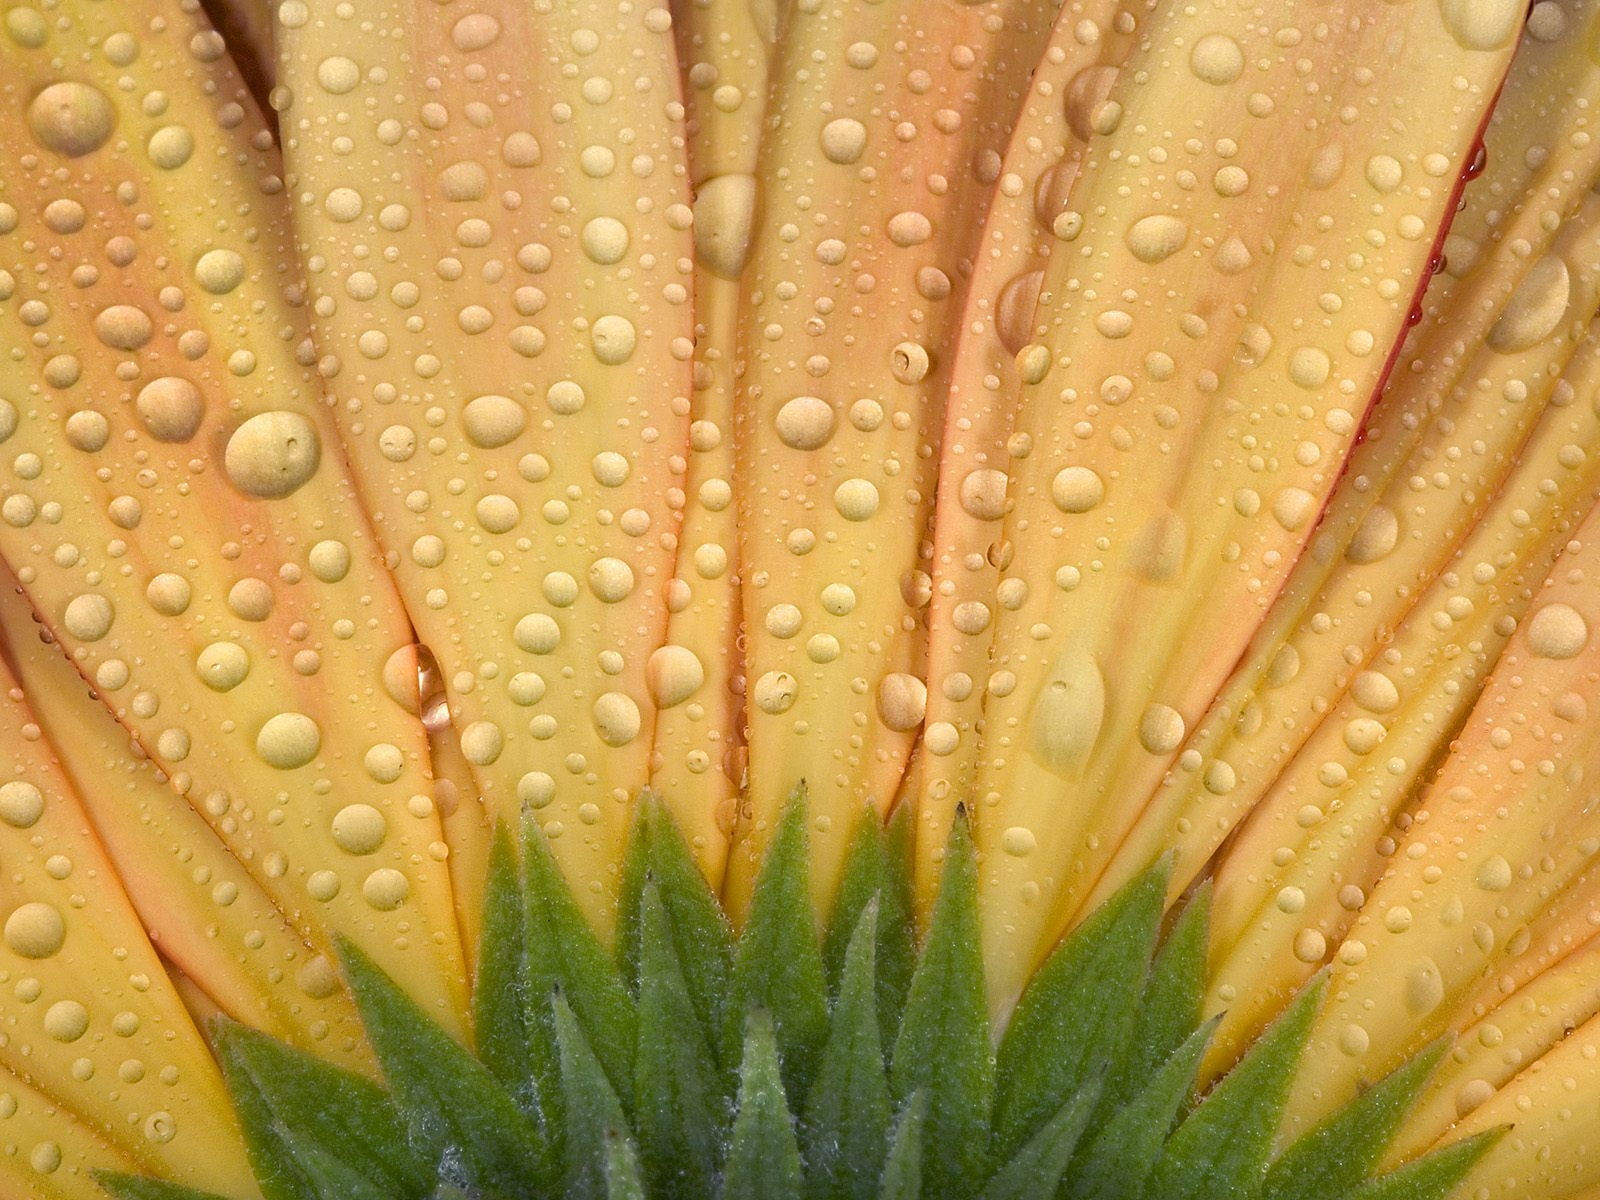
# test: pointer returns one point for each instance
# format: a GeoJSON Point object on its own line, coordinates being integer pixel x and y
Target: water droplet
{"type": "Point", "coordinates": [88, 617]}
{"type": "Point", "coordinates": [775, 692]}
{"type": "Point", "coordinates": [272, 454]}
{"type": "Point", "coordinates": [1217, 58]}
{"type": "Point", "coordinates": [222, 666]}
{"type": "Point", "coordinates": [1157, 237]}
{"type": "Point", "coordinates": [219, 271]}
{"type": "Point", "coordinates": [616, 718]}
{"type": "Point", "coordinates": [359, 829]}
{"type": "Point", "coordinates": [1482, 24]}
{"type": "Point", "coordinates": [805, 423]}
{"type": "Point", "coordinates": [123, 327]}
{"type": "Point", "coordinates": [71, 118]}
{"type": "Point", "coordinates": [902, 701]}
{"type": "Point", "coordinates": [492, 421]}
{"type": "Point", "coordinates": [170, 408]}
{"type": "Point", "coordinates": [983, 493]}
{"type": "Point", "coordinates": [844, 140]}
{"type": "Point", "coordinates": [856, 499]}
{"type": "Point", "coordinates": [35, 930]}
{"type": "Point", "coordinates": [288, 740]}
{"type": "Point", "coordinates": [1068, 712]}
{"type": "Point", "coordinates": [1018, 841]}
{"type": "Point", "coordinates": [1535, 308]}
{"type": "Point", "coordinates": [1161, 729]}
{"type": "Point", "coordinates": [724, 215]}
{"type": "Point", "coordinates": [673, 674]}
{"type": "Point", "coordinates": [1557, 631]}
{"type": "Point", "coordinates": [21, 803]}
{"type": "Point", "coordinates": [1077, 489]}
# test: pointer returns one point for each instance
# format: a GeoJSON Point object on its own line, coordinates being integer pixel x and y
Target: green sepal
{"type": "Point", "coordinates": [1036, 1169]}
{"type": "Point", "coordinates": [520, 1056]}
{"type": "Point", "coordinates": [878, 868]}
{"type": "Point", "coordinates": [763, 1156]}
{"type": "Point", "coordinates": [594, 1112]}
{"type": "Point", "coordinates": [700, 928]}
{"type": "Point", "coordinates": [456, 1114]}
{"type": "Point", "coordinates": [849, 1111]}
{"type": "Point", "coordinates": [624, 1179]}
{"type": "Point", "coordinates": [1171, 1005]}
{"type": "Point", "coordinates": [122, 1186]}
{"type": "Point", "coordinates": [1222, 1147]}
{"type": "Point", "coordinates": [1117, 1158]}
{"type": "Point", "coordinates": [563, 953]}
{"type": "Point", "coordinates": [778, 964]}
{"type": "Point", "coordinates": [312, 1129]}
{"type": "Point", "coordinates": [902, 1166]}
{"type": "Point", "coordinates": [678, 1098]}
{"type": "Point", "coordinates": [1074, 1016]}
{"type": "Point", "coordinates": [1337, 1155]}
{"type": "Point", "coordinates": [1433, 1176]}
{"type": "Point", "coordinates": [943, 1045]}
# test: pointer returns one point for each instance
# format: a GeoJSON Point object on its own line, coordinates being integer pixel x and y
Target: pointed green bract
{"type": "Point", "coordinates": [136, 1187]}
{"type": "Point", "coordinates": [678, 1098]}
{"type": "Point", "coordinates": [778, 965]}
{"type": "Point", "coordinates": [1222, 1147]}
{"type": "Point", "coordinates": [1120, 1154]}
{"type": "Point", "coordinates": [763, 1156]}
{"type": "Point", "coordinates": [1075, 1016]}
{"type": "Point", "coordinates": [594, 1113]}
{"type": "Point", "coordinates": [911, 1121]}
{"type": "Point", "coordinates": [1036, 1168]}
{"type": "Point", "coordinates": [1337, 1155]}
{"type": "Point", "coordinates": [624, 1180]}
{"type": "Point", "coordinates": [514, 1053]}
{"type": "Point", "coordinates": [449, 1101]}
{"type": "Point", "coordinates": [943, 1045]}
{"type": "Point", "coordinates": [878, 868]}
{"type": "Point", "coordinates": [563, 952]}
{"type": "Point", "coordinates": [312, 1129]}
{"type": "Point", "coordinates": [699, 928]}
{"type": "Point", "coordinates": [1171, 1005]}
{"type": "Point", "coordinates": [848, 1113]}
{"type": "Point", "coordinates": [1432, 1177]}
{"type": "Point", "coordinates": [902, 1167]}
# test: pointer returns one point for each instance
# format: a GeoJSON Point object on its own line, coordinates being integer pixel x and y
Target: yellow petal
{"type": "Point", "coordinates": [198, 903]}
{"type": "Point", "coordinates": [996, 323]}
{"type": "Point", "coordinates": [1437, 449]}
{"type": "Point", "coordinates": [1195, 411]}
{"type": "Point", "coordinates": [875, 176]}
{"type": "Point", "coordinates": [1498, 833]}
{"type": "Point", "coordinates": [725, 47]}
{"type": "Point", "coordinates": [176, 506]}
{"type": "Point", "coordinates": [501, 281]}
{"type": "Point", "coordinates": [1289, 884]}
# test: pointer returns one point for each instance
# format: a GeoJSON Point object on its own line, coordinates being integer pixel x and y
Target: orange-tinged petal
{"type": "Point", "coordinates": [1290, 882]}
{"type": "Point", "coordinates": [493, 207]}
{"type": "Point", "coordinates": [91, 1018]}
{"type": "Point", "coordinates": [1553, 1110]}
{"type": "Point", "coordinates": [889, 122]}
{"type": "Point", "coordinates": [1089, 42]}
{"type": "Point", "coordinates": [725, 48]}
{"type": "Point", "coordinates": [176, 506]}
{"type": "Point", "coordinates": [198, 903]}
{"type": "Point", "coordinates": [1498, 834]}
{"type": "Point", "coordinates": [49, 1152]}
{"type": "Point", "coordinates": [1498, 324]}
{"type": "Point", "coordinates": [1211, 352]}
{"type": "Point", "coordinates": [1497, 1047]}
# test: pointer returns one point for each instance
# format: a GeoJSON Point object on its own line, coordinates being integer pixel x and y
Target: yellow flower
{"type": "Point", "coordinates": [1148, 429]}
